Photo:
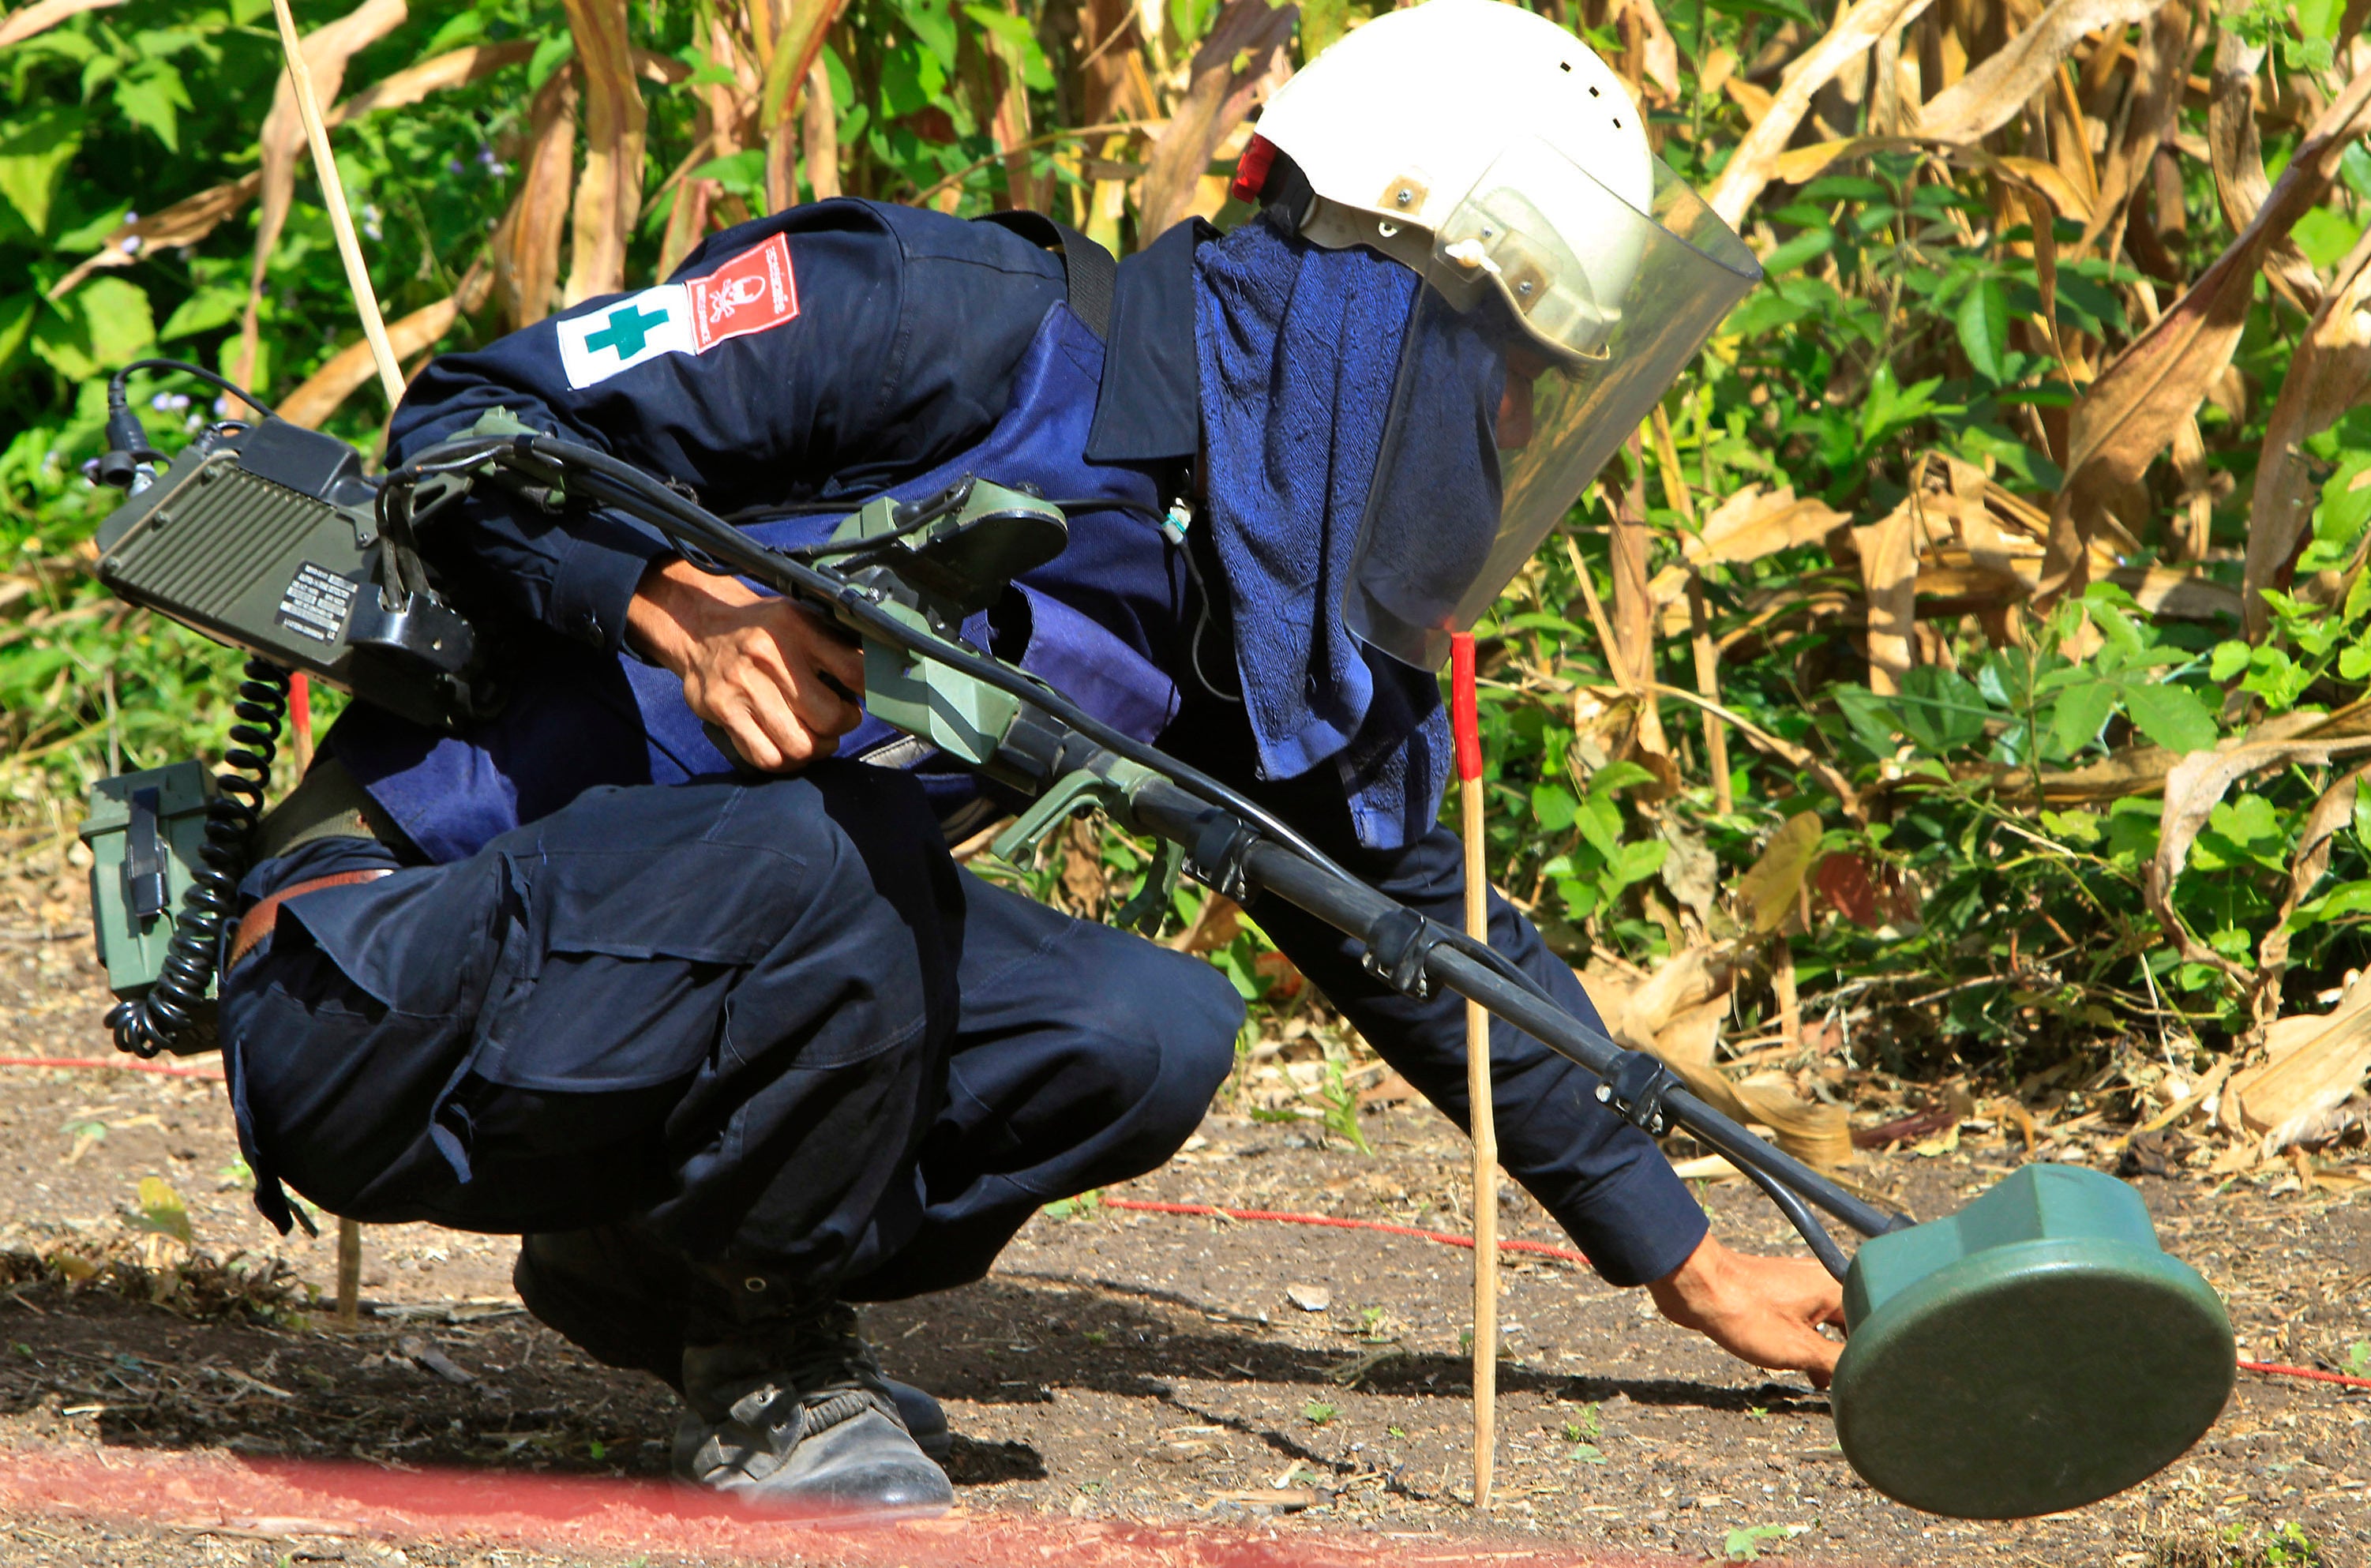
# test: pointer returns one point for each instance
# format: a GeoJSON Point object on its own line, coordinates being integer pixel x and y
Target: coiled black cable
{"type": "Point", "coordinates": [175, 1015]}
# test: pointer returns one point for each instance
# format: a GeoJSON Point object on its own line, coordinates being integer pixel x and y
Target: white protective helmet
{"type": "Point", "coordinates": [1496, 155]}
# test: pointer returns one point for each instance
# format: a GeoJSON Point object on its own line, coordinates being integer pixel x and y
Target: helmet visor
{"type": "Point", "coordinates": [1558, 317]}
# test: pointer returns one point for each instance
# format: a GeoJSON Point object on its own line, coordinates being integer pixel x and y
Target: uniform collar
{"type": "Point", "coordinates": [1151, 411]}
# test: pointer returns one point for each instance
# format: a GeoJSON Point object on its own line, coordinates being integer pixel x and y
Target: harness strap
{"type": "Point", "coordinates": [257, 922]}
{"type": "Point", "coordinates": [1087, 268]}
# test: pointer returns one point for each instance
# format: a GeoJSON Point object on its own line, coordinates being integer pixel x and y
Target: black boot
{"type": "Point", "coordinates": [793, 1417]}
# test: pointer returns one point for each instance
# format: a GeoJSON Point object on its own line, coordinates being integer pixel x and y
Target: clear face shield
{"type": "Point", "coordinates": [1556, 315]}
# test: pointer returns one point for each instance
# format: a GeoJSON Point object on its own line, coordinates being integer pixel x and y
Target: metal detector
{"type": "Point", "coordinates": [2035, 1352]}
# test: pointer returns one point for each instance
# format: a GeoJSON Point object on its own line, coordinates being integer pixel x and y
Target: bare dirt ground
{"type": "Point", "coordinates": [1117, 1366]}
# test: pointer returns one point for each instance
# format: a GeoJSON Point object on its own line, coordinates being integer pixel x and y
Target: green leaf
{"type": "Point", "coordinates": [933, 26]}
{"type": "Point", "coordinates": [2230, 658]}
{"type": "Point", "coordinates": [203, 312]}
{"type": "Point", "coordinates": [1600, 822]}
{"type": "Point", "coordinates": [1553, 807]}
{"type": "Point", "coordinates": [154, 96]}
{"type": "Point", "coordinates": [162, 1210]}
{"type": "Point", "coordinates": [556, 49]}
{"type": "Point", "coordinates": [92, 232]}
{"type": "Point", "coordinates": [103, 323]}
{"type": "Point", "coordinates": [17, 313]}
{"type": "Point", "coordinates": [1983, 323]}
{"type": "Point", "coordinates": [1616, 776]}
{"type": "Point", "coordinates": [1769, 887]}
{"type": "Point", "coordinates": [1639, 860]}
{"type": "Point", "coordinates": [2082, 710]}
{"type": "Point", "coordinates": [1808, 246]}
{"type": "Point", "coordinates": [2345, 899]}
{"type": "Point", "coordinates": [742, 174]}
{"type": "Point", "coordinates": [2170, 716]}
{"type": "Point", "coordinates": [2324, 236]}
{"type": "Point", "coordinates": [34, 153]}
{"type": "Point", "coordinates": [1940, 709]}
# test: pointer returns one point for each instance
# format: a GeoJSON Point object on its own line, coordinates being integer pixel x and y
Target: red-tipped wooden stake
{"type": "Point", "coordinates": [1466, 723]}
{"type": "Point", "coordinates": [300, 721]}
{"type": "Point", "coordinates": [350, 1235]}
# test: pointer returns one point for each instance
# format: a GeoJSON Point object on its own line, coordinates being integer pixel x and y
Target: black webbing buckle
{"type": "Point", "coordinates": [1216, 861]}
{"type": "Point", "coordinates": [1637, 1090]}
{"type": "Point", "coordinates": [1399, 950]}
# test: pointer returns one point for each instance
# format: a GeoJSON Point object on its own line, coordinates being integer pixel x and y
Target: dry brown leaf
{"type": "Point", "coordinates": [350, 366]}
{"type": "Point", "coordinates": [1009, 125]}
{"type": "Point", "coordinates": [185, 222]}
{"type": "Point", "coordinates": [1803, 164]}
{"type": "Point", "coordinates": [2314, 1063]}
{"type": "Point", "coordinates": [2235, 155]}
{"type": "Point", "coordinates": [1772, 887]}
{"type": "Point", "coordinates": [788, 57]}
{"type": "Point", "coordinates": [819, 134]}
{"type": "Point", "coordinates": [527, 242]}
{"type": "Point", "coordinates": [1805, 1129]}
{"type": "Point", "coordinates": [2176, 592]}
{"type": "Point", "coordinates": [1755, 100]}
{"type": "Point", "coordinates": [41, 15]}
{"type": "Point", "coordinates": [2160, 69]}
{"type": "Point", "coordinates": [1990, 95]}
{"type": "Point", "coordinates": [1633, 649]}
{"type": "Point", "coordinates": [1245, 57]}
{"type": "Point", "coordinates": [1888, 574]}
{"type": "Point", "coordinates": [1755, 523]}
{"type": "Point", "coordinates": [454, 69]}
{"type": "Point", "coordinates": [610, 192]}
{"type": "Point", "coordinates": [2330, 372]}
{"type": "Point", "coordinates": [1748, 170]}
{"type": "Point", "coordinates": [1661, 53]}
{"type": "Point", "coordinates": [2127, 417]}
{"type": "Point", "coordinates": [327, 50]}
{"type": "Point", "coordinates": [1675, 1014]}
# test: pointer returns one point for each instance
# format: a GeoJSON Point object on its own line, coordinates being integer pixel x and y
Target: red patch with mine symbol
{"type": "Point", "coordinates": [752, 292]}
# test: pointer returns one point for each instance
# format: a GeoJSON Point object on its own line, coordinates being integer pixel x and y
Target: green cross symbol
{"type": "Point", "coordinates": [627, 329]}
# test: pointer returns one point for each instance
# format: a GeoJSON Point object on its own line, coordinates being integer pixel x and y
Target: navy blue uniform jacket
{"type": "Point", "coordinates": [833, 351]}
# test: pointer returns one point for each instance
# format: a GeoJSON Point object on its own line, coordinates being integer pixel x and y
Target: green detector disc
{"type": "Point", "coordinates": [2035, 1352]}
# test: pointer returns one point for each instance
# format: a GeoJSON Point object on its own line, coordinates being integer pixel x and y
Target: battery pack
{"type": "Point", "coordinates": [144, 831]}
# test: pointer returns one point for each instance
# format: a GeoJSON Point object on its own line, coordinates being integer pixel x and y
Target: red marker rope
{"type": "Point", "coordinates": [1566, 1254]}
{"type": "Point", "coordinates": [2275, 1368]}
{"type": "Point", "coordinates": [1540, 1249]}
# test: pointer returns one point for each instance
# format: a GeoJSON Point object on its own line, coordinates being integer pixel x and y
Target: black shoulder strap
{"type": "Point", "coordinates": [1089, 267]}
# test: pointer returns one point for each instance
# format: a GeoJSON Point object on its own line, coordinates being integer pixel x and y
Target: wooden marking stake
{"type": "Point", "coordinates": [1466, 722]}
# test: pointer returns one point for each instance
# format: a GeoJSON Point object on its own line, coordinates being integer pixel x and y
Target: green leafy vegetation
{"type": "Point", "coordinates": [1865, 675]}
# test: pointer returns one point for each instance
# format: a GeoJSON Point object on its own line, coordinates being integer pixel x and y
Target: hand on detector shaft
{"type": "Point", "coordinates": [778, 680]}
{"type": "Point", "coordinates": [1766, 1311]}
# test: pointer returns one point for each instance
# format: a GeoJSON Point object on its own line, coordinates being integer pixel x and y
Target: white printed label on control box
{"type": "Point", "coordinates": [315, 603]}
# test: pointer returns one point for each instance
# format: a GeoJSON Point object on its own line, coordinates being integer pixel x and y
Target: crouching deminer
{"type": "Point", "coordinates": [730, 1041]}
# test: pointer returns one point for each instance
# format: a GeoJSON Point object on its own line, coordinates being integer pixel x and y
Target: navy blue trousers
{"type": "Point", "coordinates": [765, 1026]}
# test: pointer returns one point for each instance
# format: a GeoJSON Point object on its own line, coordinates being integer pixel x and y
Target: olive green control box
{"type": "Point", "coordinates": [144, 831]}
{"type": "Point", "coordinates": [2035, 1352]}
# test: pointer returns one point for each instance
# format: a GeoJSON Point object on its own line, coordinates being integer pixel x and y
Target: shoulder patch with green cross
{"type": "Point", "coordinates": [597, 345]}
{"type": "Point", "coordinates": [753, 292]}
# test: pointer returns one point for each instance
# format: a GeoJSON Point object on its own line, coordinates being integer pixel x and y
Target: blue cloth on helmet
{"type": "Point", "coordinates": [1299, 347]}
